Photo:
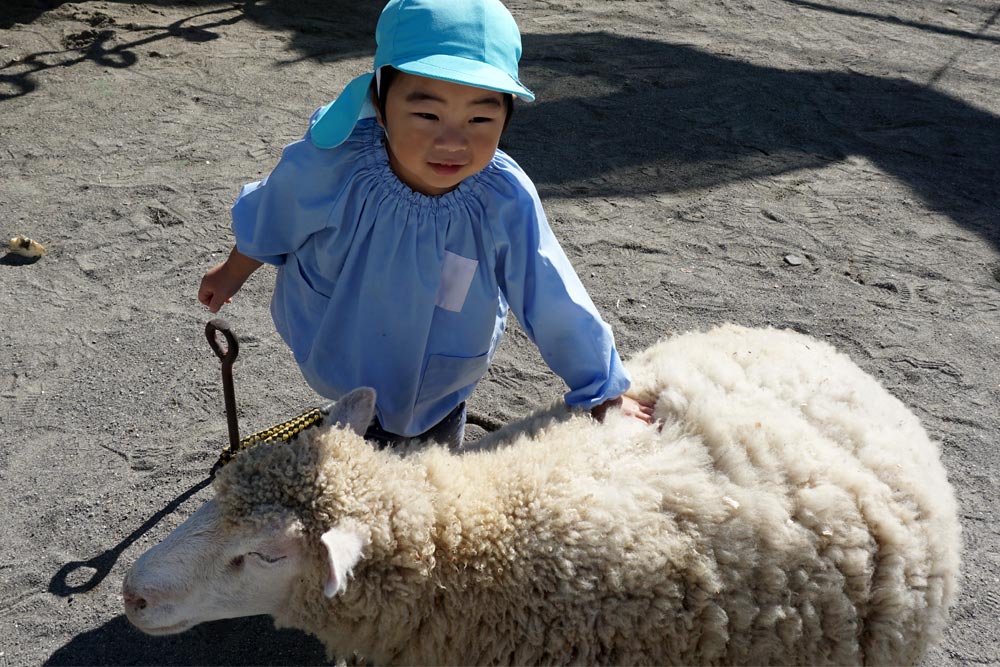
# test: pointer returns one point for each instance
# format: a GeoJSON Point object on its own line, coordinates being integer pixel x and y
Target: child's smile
{"type": "Point", "coordinates": [439, 133]}
{"type": "Point", "coordinates": [445, 169]}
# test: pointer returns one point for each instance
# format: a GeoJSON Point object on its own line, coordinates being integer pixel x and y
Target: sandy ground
{"type": "Point", "coordinates": [687, 152]}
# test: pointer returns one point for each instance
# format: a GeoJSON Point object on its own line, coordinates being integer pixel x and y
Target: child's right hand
{"type": "Point", "coordinates": [217, 287]}
{"type": "Point", "coordinates": [221, 282]}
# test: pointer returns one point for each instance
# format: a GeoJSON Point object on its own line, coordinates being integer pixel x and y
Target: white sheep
{"type": "Point", "coordinates": [789, 511]}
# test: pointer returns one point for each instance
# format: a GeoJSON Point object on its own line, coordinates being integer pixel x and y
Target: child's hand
{"type": "Point", "coordinates": [640, 410]}
{"type": "Point", "coordinates": [221, 282]}
{"type": "Point", "coordinates": [216, 288]}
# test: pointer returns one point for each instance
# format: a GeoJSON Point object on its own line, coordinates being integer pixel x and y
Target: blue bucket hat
{"type": "Point", "coordinates": [471, 42]}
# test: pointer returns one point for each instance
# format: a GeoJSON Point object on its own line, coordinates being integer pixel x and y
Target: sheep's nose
{"type": "Point", "coordinates": [134, 602]}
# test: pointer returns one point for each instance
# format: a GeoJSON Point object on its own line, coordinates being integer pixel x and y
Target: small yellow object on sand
{"type": "Point", "coordinates": [25, 247]}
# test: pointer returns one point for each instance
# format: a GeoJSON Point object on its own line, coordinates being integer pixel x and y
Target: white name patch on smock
{"type": "Point", "coordinates": [457, 273]}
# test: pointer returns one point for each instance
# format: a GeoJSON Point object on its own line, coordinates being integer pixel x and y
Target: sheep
{"type": "Point", "coordinates": [786, 509]}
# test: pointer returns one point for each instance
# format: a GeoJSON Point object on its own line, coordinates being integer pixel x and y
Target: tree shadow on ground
{"type": "Point", "coordinates": [668, 117]}
{"type": "Point", "coordinates": [671, 118]}
{"type": "Point", "coordinates": [241, 641]}
{"type": "Point", "coordinates": [25, 11]}
{"type": "Point", "coordinates": [101, 44]}
{"type": "Point", "coordinates": [906, 22]}
{"type": "Point", "coordinates": [322, 30]}
{"type": "Point", "coordinates": [29, 11]}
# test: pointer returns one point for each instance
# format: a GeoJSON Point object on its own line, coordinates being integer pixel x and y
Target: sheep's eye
{"type": "Point", "coordinates": [266, 558]}
{"type": "Point", "coordinates": [236, 563]}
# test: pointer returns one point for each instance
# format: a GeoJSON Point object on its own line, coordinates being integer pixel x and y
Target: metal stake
{"type": "Point", "coordinates": [228, 356]}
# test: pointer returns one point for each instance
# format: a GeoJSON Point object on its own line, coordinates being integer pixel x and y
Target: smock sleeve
{"type": "Point", "coordinates": [552, 304]}
{"type": "Point", "coordinates": [273, 217]}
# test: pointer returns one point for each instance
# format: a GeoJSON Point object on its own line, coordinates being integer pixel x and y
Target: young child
{"type": "Point", "coordinates": [403, 239]}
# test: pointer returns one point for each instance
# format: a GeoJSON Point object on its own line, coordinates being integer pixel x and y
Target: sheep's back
{"type": "Point", "coordinates": [789, 510]}
{"type": "Point", "coordinates": [822, 502]}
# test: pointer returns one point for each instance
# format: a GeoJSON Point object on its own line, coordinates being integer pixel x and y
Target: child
{"type": "Point", "coordinates": [402, 240]}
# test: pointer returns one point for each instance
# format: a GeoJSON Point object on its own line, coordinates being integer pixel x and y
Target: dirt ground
{"type": "Point", "coordinates": [824, 165]}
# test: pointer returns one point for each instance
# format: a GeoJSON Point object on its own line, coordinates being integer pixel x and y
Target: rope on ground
{"type": "Point", "coordinates": [484, 422]}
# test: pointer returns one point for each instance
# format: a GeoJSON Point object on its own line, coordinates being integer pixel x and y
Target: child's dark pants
{"type": "Point", "coordinates": [450, 431]}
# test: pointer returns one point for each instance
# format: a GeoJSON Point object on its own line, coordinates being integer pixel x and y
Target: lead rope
{"type": "Point", "coordinates": [485, 422]}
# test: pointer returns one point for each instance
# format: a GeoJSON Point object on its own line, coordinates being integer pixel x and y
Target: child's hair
{"type": "Point", "coordinates": [380, 92]}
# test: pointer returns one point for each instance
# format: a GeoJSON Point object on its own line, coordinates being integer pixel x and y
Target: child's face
{"type": "Point", "coordinates": [440, 133]}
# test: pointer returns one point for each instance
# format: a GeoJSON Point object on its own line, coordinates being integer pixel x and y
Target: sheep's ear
{"type": "Point", "coordinates": [343, 551]}
{"type": "Point", "coordinates": [354, 410]}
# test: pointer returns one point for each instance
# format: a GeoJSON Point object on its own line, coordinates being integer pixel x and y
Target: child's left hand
{"type": "Point", "coordinates": [640, 410]}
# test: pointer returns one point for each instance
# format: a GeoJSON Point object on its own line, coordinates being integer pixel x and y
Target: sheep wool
{"type": "Point", "coordinates": [789, 511]}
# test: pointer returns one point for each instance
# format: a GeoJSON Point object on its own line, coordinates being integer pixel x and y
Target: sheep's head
{"type": "Point", "coordinates": [242, 552]}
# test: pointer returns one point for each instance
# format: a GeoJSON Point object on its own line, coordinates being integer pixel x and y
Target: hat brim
{"type": "Point", "coordinates": [466, 72]}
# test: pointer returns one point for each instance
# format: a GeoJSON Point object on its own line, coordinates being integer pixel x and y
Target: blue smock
{"type": "Point", "coordinates": [384, 287]}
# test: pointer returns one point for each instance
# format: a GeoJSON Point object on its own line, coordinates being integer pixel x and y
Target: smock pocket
{"type": "Point", "coordinates": [445, 375]}
{"type": "Point", "coordinates": [457, 273]}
